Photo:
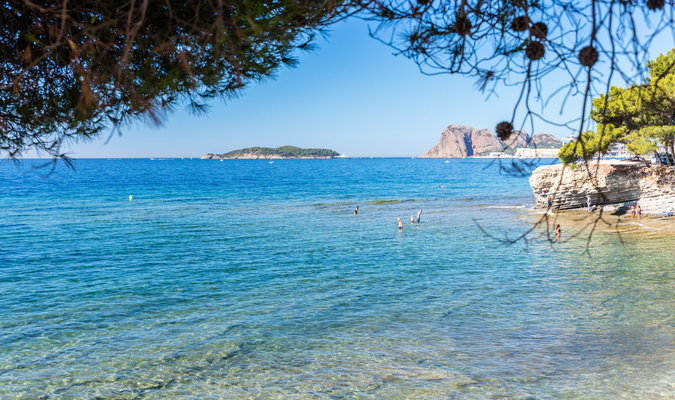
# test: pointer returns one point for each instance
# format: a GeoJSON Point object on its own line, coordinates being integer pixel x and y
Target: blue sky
{"type": "Point", "coordinates": [351, 95]}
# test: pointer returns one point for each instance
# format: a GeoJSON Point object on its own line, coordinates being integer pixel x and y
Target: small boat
{"type": "Point", "coordinates": [271, 162]}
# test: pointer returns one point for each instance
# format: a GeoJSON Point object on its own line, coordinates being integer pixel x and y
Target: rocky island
{"type": "Point", "coordinates": [615, 185]}
{"type": "Point", "coordinates": [465, 141]}
{"type": "Point", "coordinates": [283, 152]}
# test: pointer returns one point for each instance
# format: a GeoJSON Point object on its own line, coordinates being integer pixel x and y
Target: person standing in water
{"type": "Point", "coordinates": [418, 216]}
{"type": "Point", "coordinates": [356, 212]}
{"type": "Point", "coordinates": [639, 213]}
{"type": "Point", "coordinates": [589, 202]}
{"type": "Point", "coordinates": [412, 219]}
{"type": "Point", "coordinates": [557, 231]}
{"type": "Point", "coordinates": [400, 225]}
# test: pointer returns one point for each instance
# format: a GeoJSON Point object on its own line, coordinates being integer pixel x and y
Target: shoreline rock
{"type": "Point", "coordinates": [614, 186]}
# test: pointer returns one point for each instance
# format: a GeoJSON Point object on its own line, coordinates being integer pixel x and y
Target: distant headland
{"type": "Point", "coordinates": [288, 152]}
{"type": "Point", "coordinates": [465, 141]}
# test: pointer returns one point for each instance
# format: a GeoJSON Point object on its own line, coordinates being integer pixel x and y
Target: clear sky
{"type": "Point", "coordinates": [352, 95]}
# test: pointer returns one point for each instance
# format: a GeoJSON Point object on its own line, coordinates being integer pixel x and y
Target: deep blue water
{"type": "Point", "coordinates": [250, 279]}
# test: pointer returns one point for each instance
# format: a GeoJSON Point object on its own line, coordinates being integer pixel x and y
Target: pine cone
{"type": "Point", "coordinates": [588, 56]}
{"type": "Point", "coordinates": [655, 4]}
{"type": "Point", "coordinates": [504, 130]}
{"type": "Point", "coordinates": [299, 20]}
{"type": "Point", "coordinates": [462, 25]}
{"type": "Point", "coordinates": [539, 30]}
{"type": "Point", "coordinates": [535, 50]}
{"type": "Point", "coordinates": [520, 24]}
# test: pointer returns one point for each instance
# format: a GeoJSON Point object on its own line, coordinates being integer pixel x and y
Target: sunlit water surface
{"type": "Point", "coordinates": [250, 279]}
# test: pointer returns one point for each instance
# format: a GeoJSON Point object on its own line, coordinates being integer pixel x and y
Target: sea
{"type": "Point", "coordinates": [254, 279]}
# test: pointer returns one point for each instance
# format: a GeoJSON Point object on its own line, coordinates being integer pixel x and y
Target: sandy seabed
{"type": "Point", "coordinates": [580, 222]}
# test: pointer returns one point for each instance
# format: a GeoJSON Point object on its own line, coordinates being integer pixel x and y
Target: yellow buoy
{"type": "Point", "coordinates": [130, 197]}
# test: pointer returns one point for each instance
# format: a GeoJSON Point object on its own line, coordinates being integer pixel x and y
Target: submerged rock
{"type": "Point", "coordinates": [616, 186]}
{"type": "Point", "coordinates": [428, 374]}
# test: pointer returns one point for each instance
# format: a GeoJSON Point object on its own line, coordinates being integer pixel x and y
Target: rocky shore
{"type": "Point", "coordinates": [613, 185]}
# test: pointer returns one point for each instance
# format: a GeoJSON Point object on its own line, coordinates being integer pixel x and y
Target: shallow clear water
{"type": "Point", "coordinates": [245, 279]}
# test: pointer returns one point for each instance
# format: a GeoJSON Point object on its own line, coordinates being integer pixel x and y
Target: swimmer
{"type": "Point", "coordinates": [557, 232]}
{"type": "Point", "coordinates": [412, 219]}
{"type": "Point", "coordinates": [418, 216]}
{"type": "Point", "coordinates": [400, 225]}
{"type": "Point", "coordinates": [356, 212]}
{"type": "Point", "coordinates": [441, 186]}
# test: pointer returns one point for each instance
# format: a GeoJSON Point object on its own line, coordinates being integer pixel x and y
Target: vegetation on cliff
{"type": "Point", "coordinates": [641, 116]}
{"type": "Point", "coordinates": [282, 152]}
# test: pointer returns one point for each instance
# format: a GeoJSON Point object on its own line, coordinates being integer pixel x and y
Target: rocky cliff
{"type": "Point", "coordinates": [616, 186]}
{"type": "Point", "coordinates": [545, 141]}
{"type": "Point", "coordinates": [461, 141]}
{"type": "Point", "coordinates": [465, 141]}
{"type": "Point", "coordinates": [517, 139]}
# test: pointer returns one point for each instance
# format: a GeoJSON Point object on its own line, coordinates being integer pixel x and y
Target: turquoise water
{"type": "Point", "coordinates": [250, 279]}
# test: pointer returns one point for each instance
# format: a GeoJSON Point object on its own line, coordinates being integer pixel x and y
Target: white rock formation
{"type": "Point", "coordinates": [615, 186]}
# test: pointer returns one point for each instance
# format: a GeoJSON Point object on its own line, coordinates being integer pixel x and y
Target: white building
{"type": "Point", "coordinates": [536, 153]}
{"type": "Point", "coordinates": [568, 139]}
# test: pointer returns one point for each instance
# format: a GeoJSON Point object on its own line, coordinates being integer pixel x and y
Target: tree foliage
{"type": "Point", "coordinates": [641, 116]}
{"type": "Point", "coordinates": [520, 42]}
{"type": "Point", "coordinates": [70, 69]}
